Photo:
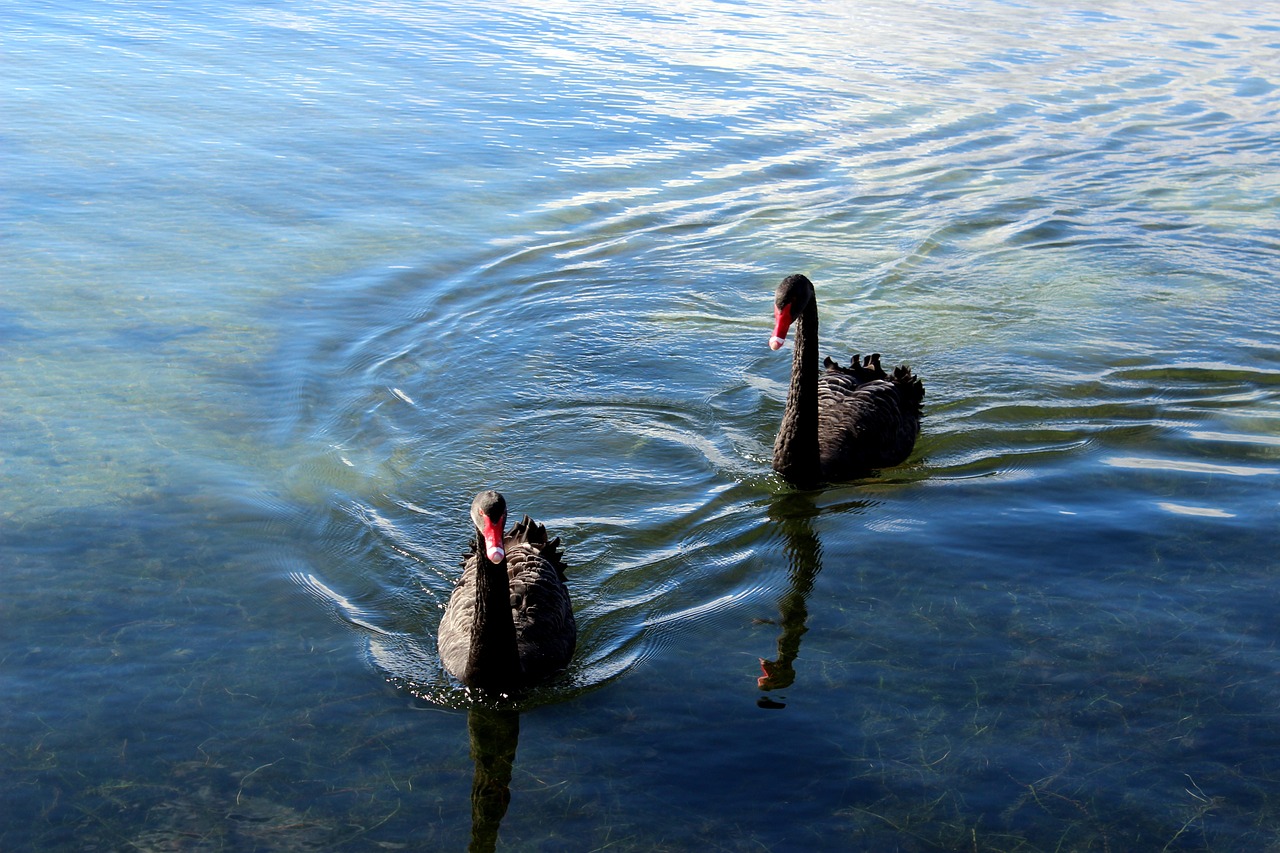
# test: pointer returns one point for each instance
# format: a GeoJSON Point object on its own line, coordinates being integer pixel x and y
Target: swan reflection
{"type": "Point", "coordinates": [494, 734]}
{"type": "Point", "coordinates": [794, 515]}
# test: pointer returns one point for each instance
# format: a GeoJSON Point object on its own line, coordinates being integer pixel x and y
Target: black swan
{"type": "Point", "coordinates": [846, 421]}
{"type": "Point", "coordinates": [509, 623]}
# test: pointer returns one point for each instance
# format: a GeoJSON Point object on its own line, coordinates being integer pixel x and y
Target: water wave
{"type": "Point", "coordinates": [593, 342]}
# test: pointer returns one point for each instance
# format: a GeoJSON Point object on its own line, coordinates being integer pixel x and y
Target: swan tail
{"type": "Point", "coordinates": [910, 388]}
{"type": "Point", "coordinates": [530, 532]}
{"type": "Point", "coordinates": [861, 368]}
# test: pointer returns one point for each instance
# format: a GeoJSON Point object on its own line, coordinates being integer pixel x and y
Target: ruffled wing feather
{"type": "Point", "coordinates": [867, 419]}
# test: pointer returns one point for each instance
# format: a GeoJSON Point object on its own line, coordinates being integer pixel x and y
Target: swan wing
{"type": "Point", "coordinates": [866, 419]}
{"type": "Point", "coordinates": [454, 638]}
{"type": "Point", "coordinates": [546, 633]}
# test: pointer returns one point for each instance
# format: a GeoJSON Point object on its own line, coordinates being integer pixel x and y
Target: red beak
{"type": "Point", "coordinates": [492, 534]}
{"type": "Point", "coordinates": [781, 323]}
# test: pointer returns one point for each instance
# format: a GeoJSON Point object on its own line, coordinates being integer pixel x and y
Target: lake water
{"type": "Point", "coordinates": [285, 285]}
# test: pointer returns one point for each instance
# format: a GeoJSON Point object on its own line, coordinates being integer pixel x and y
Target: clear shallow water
{"type": "Point", "coordinates": [284, 288]}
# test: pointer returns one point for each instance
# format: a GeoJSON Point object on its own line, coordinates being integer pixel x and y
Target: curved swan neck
{"type": "Point", "coordinates": [795, 452]}
{"type": "Point", "coordinates": [493, 662]}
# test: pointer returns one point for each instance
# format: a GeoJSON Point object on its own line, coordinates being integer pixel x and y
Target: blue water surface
{"type": "Point", "coordinates": [285, 286]}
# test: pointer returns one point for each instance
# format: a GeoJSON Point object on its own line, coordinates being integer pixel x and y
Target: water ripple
{"type": "Point", "coordinates": [1049, 257]}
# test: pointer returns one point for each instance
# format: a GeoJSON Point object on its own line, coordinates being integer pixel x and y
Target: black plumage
{"type": "Point", "coordinates": [843, 422]}
{"type": "Point", "coordinates": [509, 623]}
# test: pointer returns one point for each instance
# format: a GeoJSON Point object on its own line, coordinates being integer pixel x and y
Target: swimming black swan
{"type": "Point", "coordinates": [509, 623]}
{"type": "Point", "coordinates": [846, 421]}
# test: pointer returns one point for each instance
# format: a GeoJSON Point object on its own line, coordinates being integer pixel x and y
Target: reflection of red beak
{"type": "Point", "coordinates": [781, 322]}
{"type": "Point", "coordinates": [776, 675]}
{"type": "Point", "coordinates": [493, 539]}
{"type": "Point", "coordinates": [763, 681]}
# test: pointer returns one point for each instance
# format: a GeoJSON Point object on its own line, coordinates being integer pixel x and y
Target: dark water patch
{"type": "Point", "coordinates": [138, 666]}
{"type": "Point", "coordinates": [1212, 378]}
{"type": "Point", "coordinates": [1253, 87]}
{"type": "Point", "coordinates": [153, 336]}
{"type": "Point", "coordinates": [1077, 653]}
{"type": "Point", "coordinates": [16, 326]}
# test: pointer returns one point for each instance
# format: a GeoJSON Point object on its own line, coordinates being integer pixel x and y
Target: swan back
{"type": "Point", "coordinates": [546, 633]}
{"type": "Point", "coordinates": [867, 419]}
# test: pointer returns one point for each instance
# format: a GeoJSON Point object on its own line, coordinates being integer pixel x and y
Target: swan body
{"type": "Point", "coordinates": [509, 622]}
{"type": "Point", "coordinates": [844, 422]}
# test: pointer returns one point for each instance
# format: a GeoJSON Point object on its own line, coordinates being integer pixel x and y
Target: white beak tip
{"type": "Point", "coordinates": [775, 342]}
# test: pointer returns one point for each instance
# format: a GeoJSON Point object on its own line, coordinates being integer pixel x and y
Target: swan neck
{"type": "Point", "coordinates": [795, 453]}
{"type": "Point", "coordinates": [493, 661]}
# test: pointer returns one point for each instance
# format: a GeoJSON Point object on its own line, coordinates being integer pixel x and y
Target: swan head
{"type": "Point", "coordinates": [489, 515]}
{"type": "Point", "coordinates": [789, 301]}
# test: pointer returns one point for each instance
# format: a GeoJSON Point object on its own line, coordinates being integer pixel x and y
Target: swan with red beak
{"type": "Point", "coordinates": [840, 423]}
{"type": "Point", "coordinates": [509, 622]}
